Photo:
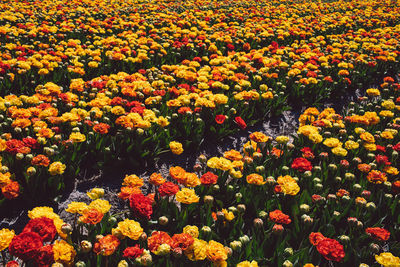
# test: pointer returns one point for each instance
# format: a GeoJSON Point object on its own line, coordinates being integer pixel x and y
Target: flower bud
{"type": "Point", "coordinates": [307, 174]}
{"type": "Point", "coordinates": [257, 156]}
{"type": "Point", "coordinates": [236, 245]}
{"type": "Point", "coordinates": [262, 214]}
{"type": "Point", "coordinates": [163, 220]}
{"type": "Point", "coordinates": [288, 252]}
{"type": "Point", "coordinates": [123, 263]}
{"type": "Point", "coordinates": [202, 158]}
{"type": "Point", "coordinates": [205, 230]}
{"type": "Point", "coordinates": [304, 208]}
{"type": "Point", "coordinates": [238, 196]}
{"type": "Point", "coordinates": [371, 206]}
{"type": "Point", "coordinates": [143, 237]}
{"type": "Point", "coordinates": [374, 248]}
{"type": "Point", "coordinates": [285, 169]}
{"type": "Point", "coordinates": [241, 208]}
{"type": "Point", "coordinates": [177, 252]}
{"type": "Point", "coordinates": [388, 196]}
{"type": "Point", "coordinates": [248, 160]}
{"type": "Point", "coordinates": [86, 246]}
{"type": "Point", "coordinates": [260, 169]}
{"type": "Point", "coordinates": [80, 264]}
{"type": "Point", "coordinates": [66, 228]}
{"type": "Point", "coordinates": [208, 199]}
{"type": "Point", "coordinates": [258, 223]}
{"type": "Point", "coordinates": [307, 220]}
{"type": "Point", "coordinates": [31, 171]}
{"type": "Point", "coordinates": [287, 263]}
{"type": "Point", "coordinates": [344, 239]}
{"type": "Point", "coordinates": [317, 168]}
{"type": "Point", "coordinates": [244, 239]}
{"type": "Point", "coordinates": [332, 167]}
{"type": "Point", "coordinates": [220, 216]}
{"type": "Point", "coordinates": [197, 167]}
{"type": "Point", "coordinates": [277, 229]}
{"type": "Point", "coordinates": [216, 188]}
{"type": "Point", "coordinates": [271, 181]}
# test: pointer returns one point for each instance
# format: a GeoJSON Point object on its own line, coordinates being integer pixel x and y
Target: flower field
{"type": "Point", "coordinates": [98, 85]}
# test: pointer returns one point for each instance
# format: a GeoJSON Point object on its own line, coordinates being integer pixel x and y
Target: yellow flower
{"type": "Point", "coordinates": [5, 179]}
{"type": "Point", "coordinates": [77, 137]}
{"type": "Point", "coordinates": [316, 138]}
{"type": "Point", "coordinates": [387, 135]}
{"type": "Point", "coordinates": [216, 252]}
{"type": "Point", "coordinates": [391, 170]}
{"type": "Point", "coordinates": [187, 196]}
{"type": "Point", "coordinates": [101, 205]}
{"type": "Point", "coordinates": [387, 259]}
{"type": "Point", "coordinates": [163, 249]}
{"type": "Point", "coordinates": [133, 181]}
{"type": "Point", "coordinates": [339, 151]}
{"type": "Point", "coordinates": [388, 104]}
{"type": "Point", "coordinates": [95, 193]}
{"type": "Point", "coordinates": [77, 207]}
{"type": "Point", "coordinates": [176, 147]}
{"type": "Point", "coordinates": [288, 185]}
{"type": "Point", "coordinates": [57, 168]}
{"type": "Point", "coordinates": [282, 139]}
{"type": "Point", "coordinates": [6, 237]}
{"type": "Point", "coordinates": [197, 251]}
{"type": "Point", "coordinates": [63, 252]}
{"type": "Point", "coordinates": [307, 130]}
{"type": "Point", "coordinates": [130, 228]}
{"type": "Point", "coordinates": [229, 216]}
{"type": "Point", "coordinates": [192, 230]}
{"type": "Point", "coordinates": [255, 178]}
{"type": "Point", "coordinates": [386, 113]}
{"type": "Point", "coordinates": [259, 137]}
{"type": "Point", "coordinates": [351, 145]}
{"type": "Point", "coordinates": [367, 137]}
{"type": "Point", "coordinates": [373, 92]}
{"type": "Point", "coordinates": [191, 179]}
{"type": "Point", "coordinates": [247, 264]}
{"type": "Point", "coordinates": [219, 163]}
{"type": "Point", "coordinates": [332, 142]}
{"type": "Point", "coordinates": [370, 146]}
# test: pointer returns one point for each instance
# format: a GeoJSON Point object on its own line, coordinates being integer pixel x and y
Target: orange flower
{"type": "Point", "coordinates": [91, 216]}
{"type": "Point", "coordinates": [178, 173]}
{"type": "Point", "coordinates": [376, 177]}
{"type": "Point", "coordinates": [156, 179]}
{"type": "Point", "coordinates": [11, 190]}
{"type": "Point", "coordinates": [126, 191]}
{"type": "Point", "coordinates": [364, 167]}
{"type": "Point", "coordinates": [315, 238]}
{"type": "Point", "coordinates": [106, 245]}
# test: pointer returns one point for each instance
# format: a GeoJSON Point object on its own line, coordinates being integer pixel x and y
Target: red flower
{"type": "Point", "coordinates": [380, 159]}
{"type": "Point", "coordinates": [278, 216]}
{"type": "Point", "coordinates": [396, 187]}
{"type": "Point", "coordinates": [157, 238]}
{"type": "Point", "coordinates": [331, 249]}
{"type": "Point", "coordinates": [101, 128]}
{"type": "Point", "coordinates": [45, 256]}
{"type": "Point", "coordinates": [378, 233]}
{"type": "Point", "coordinates": [25, 245]}
{"type": "Point", "coordinates": [307, 153]}
{"type": "Point", "coordinates": [168, 189]}
{"type": "Point", "coordinates": [220, 119]}
{"type": "Point", "coordinates": [315, 238]}
{"type": "Point", "coordinates": [133, 252]}
{"type": "Point", "coordinates": [208, 178]}
{"type": "Point", "coordinates": [301, 164]}
{"type": "Point", "coordinates": [12, 264]}
{"type": "Point", "coordinates": [183, 241]}
{"type": "Point", "coordinates": [31, 142]}
{"type": "Point", "coordinates": [380, 148]}
{"type": "Point", "coordinates": [141, 206]}
{"type": "Point", "coordinates": [397, 147]}
{"type": "Point", "coordinates": [240, 122]}
{"type": "Point", "coordinates": [15, 146]}
{"type": "Point", "coordinates": [43, 226]}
